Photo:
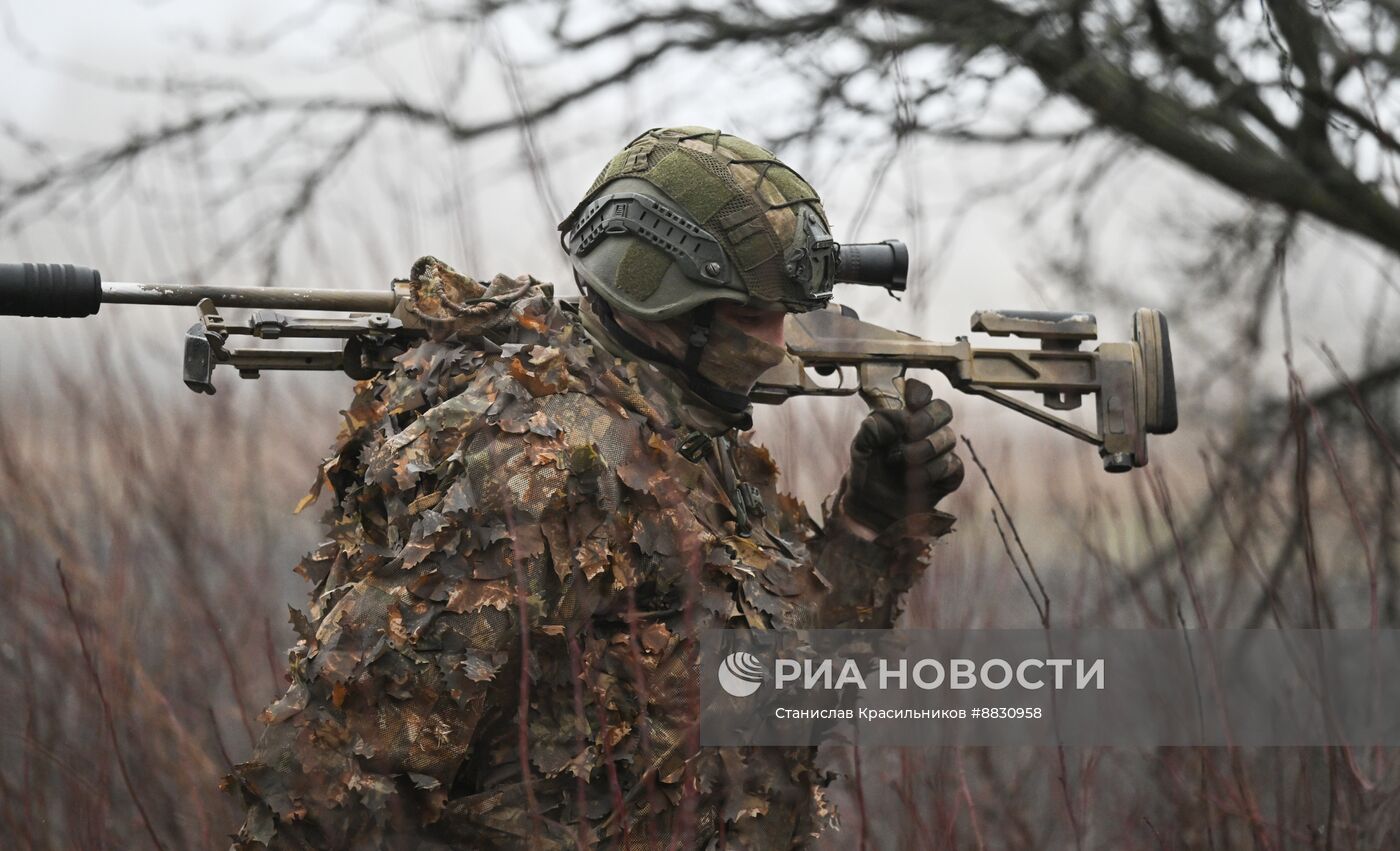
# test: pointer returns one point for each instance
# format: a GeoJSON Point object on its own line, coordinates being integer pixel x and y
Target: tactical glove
{"type": "Point", "coordinates": [902, 461]}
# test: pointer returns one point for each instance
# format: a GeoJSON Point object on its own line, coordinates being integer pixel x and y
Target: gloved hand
{"type": "Point", "coordinates": [902, 461]}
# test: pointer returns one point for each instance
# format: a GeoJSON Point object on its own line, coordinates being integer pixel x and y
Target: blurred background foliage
{"type": "Point", "coordinates": [1233, 163]}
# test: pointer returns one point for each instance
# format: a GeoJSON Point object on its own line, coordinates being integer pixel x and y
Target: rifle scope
{"type": "Point", "coordinates": [873, 264]}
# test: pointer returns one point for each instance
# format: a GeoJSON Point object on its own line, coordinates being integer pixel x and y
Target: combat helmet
{"type": "Point", "coordinates": [687, 216]}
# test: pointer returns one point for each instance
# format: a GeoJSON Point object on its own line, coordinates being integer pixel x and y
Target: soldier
{"type": "Point", "coordinates": [541, 504]}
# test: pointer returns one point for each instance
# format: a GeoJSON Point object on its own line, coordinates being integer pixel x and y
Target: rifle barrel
{"type": "Point", "coordinates": [65, 290]}
{"type": "Point", "coordinates": [266, 298]}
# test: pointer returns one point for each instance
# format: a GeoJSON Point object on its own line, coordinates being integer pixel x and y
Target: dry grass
{"type": "Point", "coordinates": [145, 547]}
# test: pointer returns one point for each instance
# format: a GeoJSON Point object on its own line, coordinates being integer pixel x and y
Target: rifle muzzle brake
{"type": "Point", "coordinates": [49, 289]}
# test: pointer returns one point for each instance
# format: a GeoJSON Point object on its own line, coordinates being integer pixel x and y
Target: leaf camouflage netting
{"type": "Point", "coordinates": [513, 526]}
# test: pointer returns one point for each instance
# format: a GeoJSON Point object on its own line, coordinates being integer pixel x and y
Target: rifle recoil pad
{"type": "Point", "coordinates": [873, 264]}
{"type": "Point", "coordinates": [49, 289]}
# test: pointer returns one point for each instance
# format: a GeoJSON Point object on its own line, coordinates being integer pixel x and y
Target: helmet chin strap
{"type": "Point", "coordinates": [688, 365]}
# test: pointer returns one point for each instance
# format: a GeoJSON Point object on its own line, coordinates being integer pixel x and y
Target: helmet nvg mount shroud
{"type": "Point", "coordinates": [687, 216]}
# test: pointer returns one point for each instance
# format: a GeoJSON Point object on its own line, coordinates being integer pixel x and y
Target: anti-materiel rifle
{"type": "Point", "coordinates": [1131, 383]}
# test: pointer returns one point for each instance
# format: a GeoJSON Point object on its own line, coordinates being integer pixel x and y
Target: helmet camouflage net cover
{"type": "Point", "coordinates": [685, 216]}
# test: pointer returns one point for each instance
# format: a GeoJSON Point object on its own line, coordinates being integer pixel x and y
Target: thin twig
{"type": "Point", "coordinates": [1044, 609]}
{"type": "Point", "coordinates": [106, 708]}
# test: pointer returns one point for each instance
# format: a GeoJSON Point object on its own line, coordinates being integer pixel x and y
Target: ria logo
{"type": "Point", "coordinates": [740, 674]}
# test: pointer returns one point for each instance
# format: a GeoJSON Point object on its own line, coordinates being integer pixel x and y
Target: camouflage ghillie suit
{"type": "Point", "coordinates": [527, 531]}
